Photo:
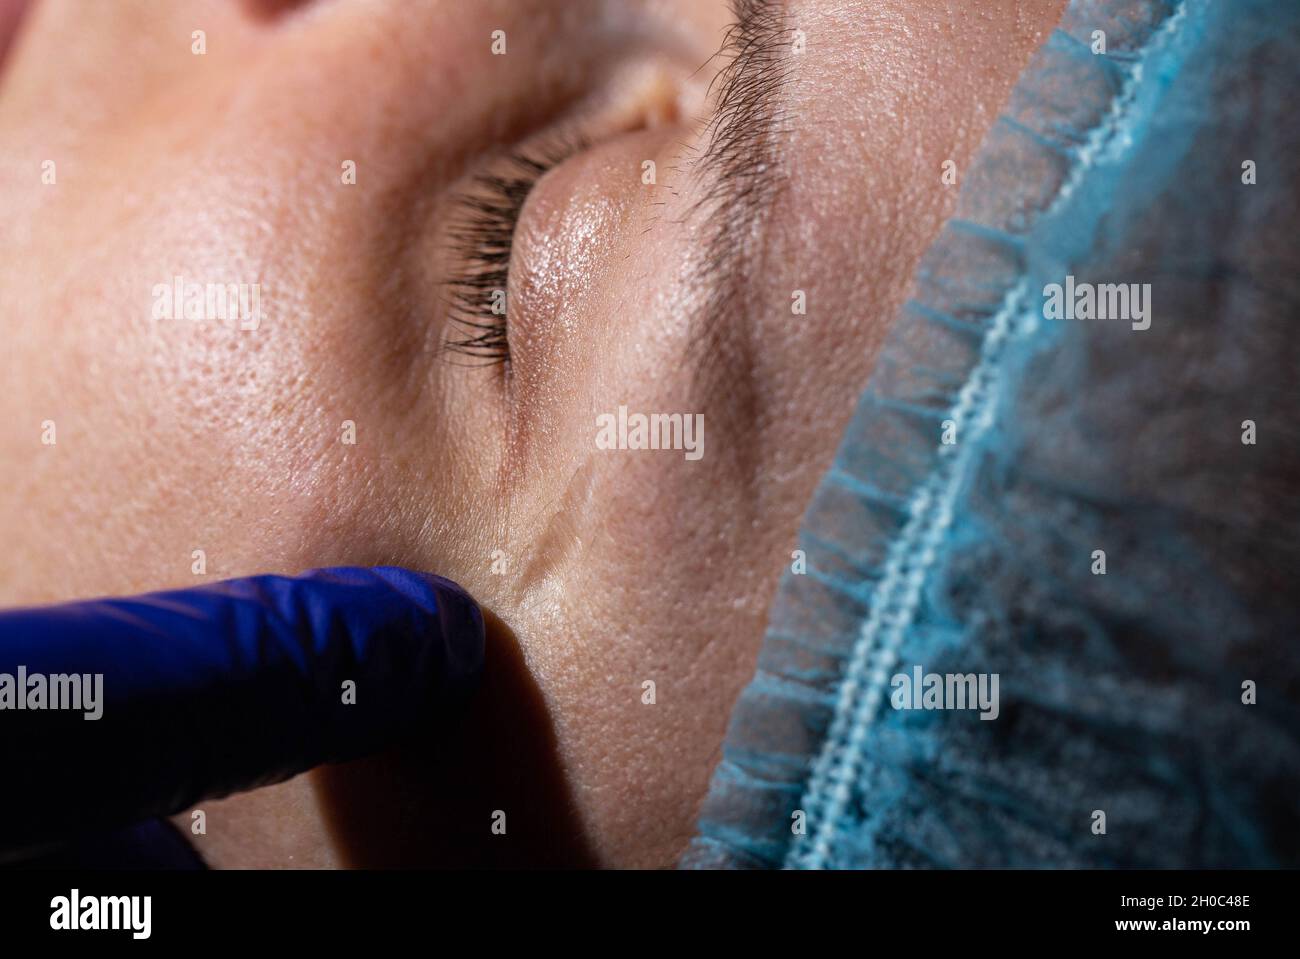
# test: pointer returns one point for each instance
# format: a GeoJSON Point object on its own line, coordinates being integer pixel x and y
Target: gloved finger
{"type": "Point", "coordinates": [169, 698]}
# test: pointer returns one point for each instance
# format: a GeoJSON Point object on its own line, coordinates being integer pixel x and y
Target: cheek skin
{"type": "Point", "coordinates": [651, 588]}
{"type": "Point", "coordinates": [265, 407]}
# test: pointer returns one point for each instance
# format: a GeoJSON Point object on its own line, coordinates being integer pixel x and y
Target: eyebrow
{"type": "Point", "coordinates": [740, 166]}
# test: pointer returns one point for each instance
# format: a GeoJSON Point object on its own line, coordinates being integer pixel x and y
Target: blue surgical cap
{"type": "Point", "coordinates": [1097, 508]}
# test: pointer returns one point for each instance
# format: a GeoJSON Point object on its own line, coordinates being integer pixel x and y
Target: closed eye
{"type": "Point", "coordinates": [736, 172]}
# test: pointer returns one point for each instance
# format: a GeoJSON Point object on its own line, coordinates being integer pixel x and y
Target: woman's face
{"type": "Point", "coordinates": [332, 160]}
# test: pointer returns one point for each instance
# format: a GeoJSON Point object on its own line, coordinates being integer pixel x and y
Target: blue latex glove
{"type": "Point", "coordinates": [218, 689]}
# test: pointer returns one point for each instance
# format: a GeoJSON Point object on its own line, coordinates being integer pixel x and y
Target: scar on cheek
{"type": "Point", "coordinates": [564, 537]}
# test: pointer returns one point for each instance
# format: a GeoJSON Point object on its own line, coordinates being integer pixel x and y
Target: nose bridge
{"type": "Point", "coordinates": [390, 77]}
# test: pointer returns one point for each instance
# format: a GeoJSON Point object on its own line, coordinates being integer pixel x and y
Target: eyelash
{"type": "Point", "coordinates": [482, 239]}
{"type": "Point", "coordinates": [740, 166]}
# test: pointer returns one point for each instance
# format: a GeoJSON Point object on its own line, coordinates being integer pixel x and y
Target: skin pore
{"type": "Point", "coordinates": [600, 569]}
